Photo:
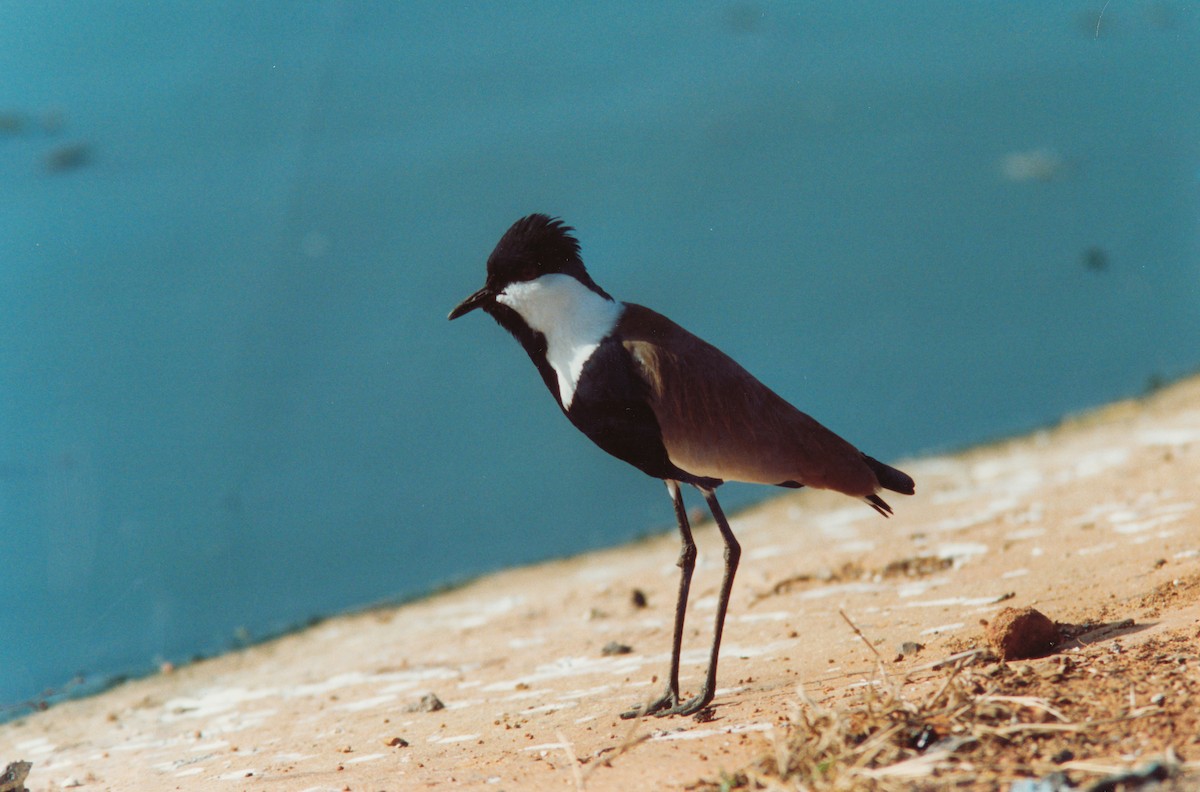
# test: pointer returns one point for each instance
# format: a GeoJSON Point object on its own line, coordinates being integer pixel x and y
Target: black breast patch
{"type": "Point", "coordinates": [611, 406]}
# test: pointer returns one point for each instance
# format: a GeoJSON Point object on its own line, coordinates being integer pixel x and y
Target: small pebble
{"type": "Point", "coordinates": [428, 703]}
{"type": "Point", "coordinates": [613, 648]}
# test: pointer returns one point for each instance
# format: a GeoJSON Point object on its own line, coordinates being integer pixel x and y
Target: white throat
{"type": "Point", "coordinates": [572, 317]}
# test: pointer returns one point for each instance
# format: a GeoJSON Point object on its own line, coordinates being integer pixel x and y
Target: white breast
{"type": "Point", "coordinates": [572, 317]}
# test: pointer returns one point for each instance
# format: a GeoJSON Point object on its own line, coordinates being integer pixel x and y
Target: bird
{"type": "Point", "coordinates": [656, 396]}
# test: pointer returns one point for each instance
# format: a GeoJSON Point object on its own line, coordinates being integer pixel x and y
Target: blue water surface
{"type": "Point", "coordinates": [229, 397]}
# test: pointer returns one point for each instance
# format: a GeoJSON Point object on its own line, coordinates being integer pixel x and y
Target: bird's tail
{"type": "Point", "coordinates": [890, 478]}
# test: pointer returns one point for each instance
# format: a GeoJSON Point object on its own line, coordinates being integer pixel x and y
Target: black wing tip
{"type": "Point", "coordinates": [890, 478]}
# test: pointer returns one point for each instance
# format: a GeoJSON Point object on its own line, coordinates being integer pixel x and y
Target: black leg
{"type": "Point", "coordinates": [669, 705]}
{"type": "Point", "coordinates": [686, 564]}
{"type": "Point", "coordinates": [733, 552]}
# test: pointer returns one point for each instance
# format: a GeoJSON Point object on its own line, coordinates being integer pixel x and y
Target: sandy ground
{"type": "Point", "coordinates": [1095, 521]}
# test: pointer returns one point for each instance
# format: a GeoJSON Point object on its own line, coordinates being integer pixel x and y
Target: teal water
{"type": "Point", "coordinates": [229, 397]}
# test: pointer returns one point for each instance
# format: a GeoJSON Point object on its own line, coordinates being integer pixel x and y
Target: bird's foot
{"type": "Point", "coordinates": [669, 704]}
{"type": "Point", "coordinates": [666, 701]}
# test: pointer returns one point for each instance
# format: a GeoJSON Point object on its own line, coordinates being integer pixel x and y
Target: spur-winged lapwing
{"type": "Point", "coordinates": [651, 393]}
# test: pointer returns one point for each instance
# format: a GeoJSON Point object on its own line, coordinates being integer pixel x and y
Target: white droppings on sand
{"type": "Point", "coordinates": [700, 734]}
{"type": "Point", "coordinates": [1034, 513]}
{"type": "Point", "coordinates": [210, 747]}
{"type": "Point", "coordinates": [746, 652]}
{"type": "Point", "coordinates": [949, 497]}
{"type": "Point", "coordinates": [930, 467]}
{"type": "Point", "coordinates": [836, 524]}
{"type": "Point", "coordinates": [521, 695]}
{"type": "Point", "coordinates": [1014, 573]}
{"type": "Point", "coordinates": [477, 612]}
{"type": "Point", "coordinates": [997, 506]}
{"type": "Point", "coordinates": [915, 588]}
{"type": "Point", "coordinates": [1146, 525]}
{"type": "Point", "coordinates": [1025, 533]}
{"type": "Point", "coordinates": [855, 546]}
{"type": "Point", "coordinates": [237, 775]}
{"type": "Point", "coordinates": [134, 745]}
{"type": "Point", "coordinates": [769, 616]}
{"type": "Point", "coordinates": [547, 747]}
{"type": "Point", "coordinates": [1100, 548]}
{"type": "Point", "coordinates": [725, 692]}
{"type": "Point", "coordinates": [598, 573]}
{"type": "Point", "coordinates": [547, 708]}
{"type": "Point", "coordinates": [524, 642]}
{"type": "Point", "coordinates": [599, 690]}
{"type": "Point", "coordinates": [402, 682]}
{"type": "Point", "coordinates": [335, 682]}
{"type": "Point", "coordinates": [1098, 511]}
{"type": "Point", "coordinates": [191, 771]}
{"type": "Point", "coordinates": [960, 550]}
{"type": "Point", "coordinates": [841, 588]}
{"type": "Point", "coordinates": [1015, 471]}
{"type": "Point", "coordinates": [1182, 554]}
{"type": "Point", "coordinates": [759, 553]}
{"type": "Point", "coordinates": [958, 602]}
{"type": "Point", "coordinates": [568, 666]}
{"type": "Point", "coordinates": [368, 758]}
{"type": "Point", "coordinates": [39, 746]}
{"type": "Point", "coordinates": [749, 523]}
{"type": "Point", "coordinates": [941, 628]}
{"type": "Point", "coordinates": [956, 524]}
{"type": "Point", "coordinates": [651, 623]}
{"type": "Point", "coordinates": [1094, 463]}
{"type": "Point", "coordinates": [1168, 437]}
{"type": "Point", "coordinates": [366, 704]}
{"type": "Point", "coordinates": [455, 739]}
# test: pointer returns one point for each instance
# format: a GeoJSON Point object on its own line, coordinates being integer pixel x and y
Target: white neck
{"type": "Point", "coordinates": [572, 317]}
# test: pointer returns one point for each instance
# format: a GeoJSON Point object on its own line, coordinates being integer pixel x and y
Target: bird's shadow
{"type": "Point", "coordinates": [1078, 636]}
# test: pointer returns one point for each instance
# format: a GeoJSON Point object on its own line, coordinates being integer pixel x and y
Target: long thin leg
{"type": "Point", "coordinates": [733, 553]}
{"type": "Point", "coordinates": [686, 564]}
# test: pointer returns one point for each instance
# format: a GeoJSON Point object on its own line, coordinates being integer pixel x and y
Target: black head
{"type": "Point", "coordinates": [533, 246]}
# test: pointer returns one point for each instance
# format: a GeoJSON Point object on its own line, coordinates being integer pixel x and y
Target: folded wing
{"type": "Point", "coordinates": [718, 421]}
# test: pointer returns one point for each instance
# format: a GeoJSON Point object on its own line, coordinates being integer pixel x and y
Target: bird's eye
{"type": "Point", "coordinates": [526, 272]}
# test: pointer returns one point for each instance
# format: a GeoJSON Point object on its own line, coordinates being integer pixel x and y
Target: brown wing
{"type": "Point", "coordinates": [717, 420]}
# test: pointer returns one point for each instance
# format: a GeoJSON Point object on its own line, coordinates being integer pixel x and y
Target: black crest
{"type": "Point", "coordinates": [538, 245]}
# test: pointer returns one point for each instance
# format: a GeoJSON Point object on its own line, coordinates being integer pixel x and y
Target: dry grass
{"type": "Point", "coordinates": [969, 722]}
